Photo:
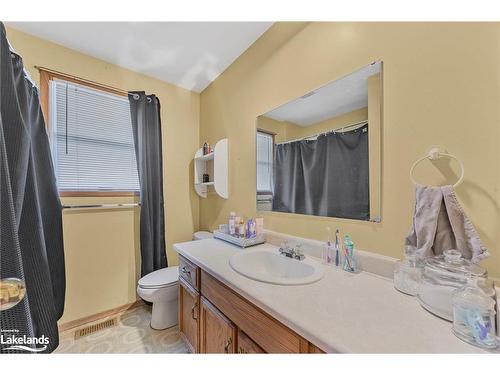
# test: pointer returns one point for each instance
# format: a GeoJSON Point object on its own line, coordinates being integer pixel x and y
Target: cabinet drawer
{"type": "Point", "coordinates": [246, 345]}
{"type": "Point", "coordinates": [189, 272]}
{"type": "Point", "coordinates": [271, 335]}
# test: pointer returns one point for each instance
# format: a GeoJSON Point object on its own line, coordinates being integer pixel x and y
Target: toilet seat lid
{"type": "Point", "coordinates": [160, 278]}
{"type": "Point", "coordinates": [201, 235]}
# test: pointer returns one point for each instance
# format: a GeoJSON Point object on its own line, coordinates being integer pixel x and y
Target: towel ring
{"type": "Point", "coordinates": [435, 154]}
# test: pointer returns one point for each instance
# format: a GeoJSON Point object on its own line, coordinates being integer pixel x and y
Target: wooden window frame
{"type": "Point", "coordinates": [47, 75]}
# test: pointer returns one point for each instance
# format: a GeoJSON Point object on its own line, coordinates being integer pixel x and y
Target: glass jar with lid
{"type": "Point", "coordinates": [474, 314]}
{"type": "Point", "coordinates": [443, 275]}
{"type": "Point", "coordinates": [408, 272]}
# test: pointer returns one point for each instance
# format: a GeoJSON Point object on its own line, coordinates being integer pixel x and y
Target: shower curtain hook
{"type": "Point", "coordinates": [136, 96]}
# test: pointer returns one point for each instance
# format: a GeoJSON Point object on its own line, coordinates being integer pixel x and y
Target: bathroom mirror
{"type": "Point", "coordinates": [320, 154]}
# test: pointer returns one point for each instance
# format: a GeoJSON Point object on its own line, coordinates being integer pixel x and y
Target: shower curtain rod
{"type": "Point", "coordinates": [339, 129]}
{"type": "Point", "coordinates": [99, 206]}
{"type": "Point", "coordinates": [27, 75]}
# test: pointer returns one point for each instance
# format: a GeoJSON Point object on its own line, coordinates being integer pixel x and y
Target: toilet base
{"type": "Point", "coordinates": [164, 314]}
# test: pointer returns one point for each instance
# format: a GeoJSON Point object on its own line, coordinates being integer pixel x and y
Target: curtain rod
{"type": "Point", "coordinates": [83, 80]}
{"type": "Point", "coordinates": [337, 130]}
{"type": "Point", "coordinates": [101, 206]}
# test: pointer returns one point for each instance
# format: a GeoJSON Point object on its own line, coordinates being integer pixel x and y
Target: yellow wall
{"type": "Point", "coordinates": [440, 87]}
{"type": "Point", "coordinates": [278, 128]}
{"type": "Point", "coordinates": [101, 247]}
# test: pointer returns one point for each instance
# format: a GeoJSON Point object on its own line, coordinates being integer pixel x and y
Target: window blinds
{"type": "Point", "coordinates": [264, 162]}
{"type": "Point", "coordinates": [91, 139]}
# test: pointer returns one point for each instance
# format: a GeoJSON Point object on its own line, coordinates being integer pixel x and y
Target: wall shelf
{"type": "Point", "coordinates": [215, 165]}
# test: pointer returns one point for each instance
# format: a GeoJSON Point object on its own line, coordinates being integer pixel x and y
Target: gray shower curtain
{"type": "Point", "coordinates": [31, 244]}
{"type": "Point", "coordinates": [324, 177]}
{"type": "Point", "coordinates": [146, 127]}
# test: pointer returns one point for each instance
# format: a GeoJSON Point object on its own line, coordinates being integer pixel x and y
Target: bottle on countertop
{"type": "Point", "coordinates": [251, 228]}
{"type": "Point", "coordinates": [242, 230]}
{"type": "Point", "coordinates": [237, 220]}
{"type": "Point", "coordinates": [232, 223]}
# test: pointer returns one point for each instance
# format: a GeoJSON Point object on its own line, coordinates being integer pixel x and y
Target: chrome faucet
{"type": "Point", "coordinates": [292, 252]}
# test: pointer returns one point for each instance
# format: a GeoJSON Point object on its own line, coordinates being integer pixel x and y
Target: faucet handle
{"type": "Point", "coordinates": [284, 246]}
{"type": "Point", "coordinates": [298, 253]}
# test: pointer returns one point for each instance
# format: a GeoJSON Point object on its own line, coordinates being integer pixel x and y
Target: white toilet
{"type": "Point", "coordinates": [201, 235]}
{"type": "Point", "coordinates": [161, 288]}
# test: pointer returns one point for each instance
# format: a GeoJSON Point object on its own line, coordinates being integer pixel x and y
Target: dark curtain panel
{"type": "Point", "coordinates": [146, 126]}
{"type": "Point", "coordinates": [324, 177]}
{"type": "Point", "coordinates": [31, 243]}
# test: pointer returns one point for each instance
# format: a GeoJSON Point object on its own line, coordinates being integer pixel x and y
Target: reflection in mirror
{"type": "Point", "coordinates": [320, 154]}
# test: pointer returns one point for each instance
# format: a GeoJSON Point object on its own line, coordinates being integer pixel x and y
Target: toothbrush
{"type": "Point", "coordinates": [337, 244]}
{"type": "Point", "coordinates": [329, 246]}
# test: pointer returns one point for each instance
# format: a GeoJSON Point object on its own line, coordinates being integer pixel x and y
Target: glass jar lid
{"type": "Point", "coordinates": [452, 263]}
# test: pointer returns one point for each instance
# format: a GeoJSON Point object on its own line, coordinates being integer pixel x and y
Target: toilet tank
{"type": "Point", "coordinates": [202, 235]}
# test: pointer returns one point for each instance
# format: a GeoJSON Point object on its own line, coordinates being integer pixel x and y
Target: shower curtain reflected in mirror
{"type": "Point", "coordinates": [327, 176]}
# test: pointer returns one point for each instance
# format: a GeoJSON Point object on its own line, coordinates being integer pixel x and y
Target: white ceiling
{"type": "Point", "coordinates": [344, 95]}
{"type": "Point", "coordinates": [187, 54]}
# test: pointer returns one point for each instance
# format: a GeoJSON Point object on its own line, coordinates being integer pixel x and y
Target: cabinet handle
{"type": "Point", "coordinates": [184, 270]}
{"type": "Point", "coordinates": [228, 344]}
{"type": "Point", "coordinates": [192, 311]}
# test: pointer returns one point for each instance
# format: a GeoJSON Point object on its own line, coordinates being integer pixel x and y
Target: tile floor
{"type": "Point", "coordinates": [132, 335]}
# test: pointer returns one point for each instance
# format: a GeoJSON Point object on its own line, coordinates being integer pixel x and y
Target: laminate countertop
{"type": "Point", "coordinates": [343, 312]}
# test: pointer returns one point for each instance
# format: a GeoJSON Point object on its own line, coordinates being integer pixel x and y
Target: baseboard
{"type": "Point", "coordinates": [101, 315]}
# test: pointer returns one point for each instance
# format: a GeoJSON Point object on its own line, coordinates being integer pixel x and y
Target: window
{"type": "Point", "coordinates": [91, 139]}
{"type": "Point", "coordinates": [265, 144]}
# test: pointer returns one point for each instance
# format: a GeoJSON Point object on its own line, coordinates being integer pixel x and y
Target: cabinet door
{"type": "Point", "coordinates": [189, 312]}
{"type": "Point", "coordinates": [246, 345]}
{"type": "Point", "coordinates": [217, 333]}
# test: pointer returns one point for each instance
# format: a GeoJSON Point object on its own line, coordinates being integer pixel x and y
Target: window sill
{"type": "Point", "coordinates": [99, 193]}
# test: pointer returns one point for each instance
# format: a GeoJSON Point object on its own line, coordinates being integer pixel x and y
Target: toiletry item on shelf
{"type": "Point", "coordinates": [224, 228]}
{"type": "Point", "coordinates": [205, 148]}
{"type": "Point", "coordinates": [408, 272]}
{"type": "Point", "coordinates": [232, 223]}
{"type": "Point", "coordinates": [349, 263]}
{"type": "Point", "coordinates": [259, 226]}
{"type": "Point", "coordinates": [474, 315]}
{"type": "Point", "coordinates": [206, 177]}
{"type": "Point", "coordinates": [337, 248]}
{"type": "Point", "coordinates": [442, 275]}
{"type": "Point", "coordinates": [251, 228]}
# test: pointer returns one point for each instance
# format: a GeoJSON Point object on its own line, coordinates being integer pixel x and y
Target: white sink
{"type": "Point", "coordinates": [271, 267]}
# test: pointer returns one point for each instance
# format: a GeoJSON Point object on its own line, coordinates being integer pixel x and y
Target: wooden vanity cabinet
{"type": "Point", "coordinates": [246, 345]}
{"type": "Point", "coordinates": [189, 315]}
{"type": "Point", "coordinates": [213, 318]}
{"type": "Point", "coordinates": [217, 333]}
